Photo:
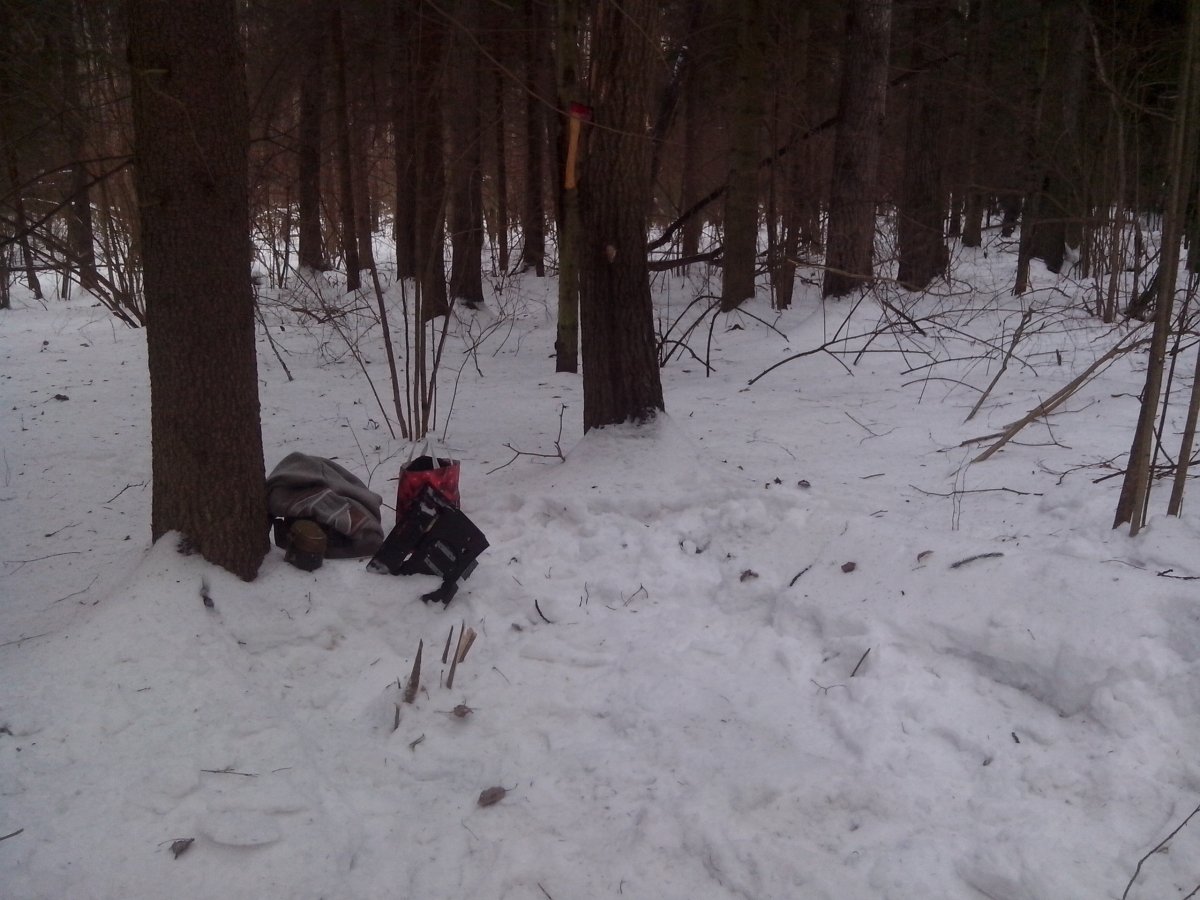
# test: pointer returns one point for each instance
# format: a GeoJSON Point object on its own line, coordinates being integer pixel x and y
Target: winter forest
{"type": "Point", "coordinates": [823, 374]}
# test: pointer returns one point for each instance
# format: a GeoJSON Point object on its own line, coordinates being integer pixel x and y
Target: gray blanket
{"type": "Point", "coordinates": [311, 487]}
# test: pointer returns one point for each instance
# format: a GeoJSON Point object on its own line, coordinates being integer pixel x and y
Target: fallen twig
{"type": "Point", "coordinates": [12, 834]}
{"type": "Point", "coordinates": [540, 613]}
{"type": "Point", "coordinates": [1050, 404]}
{"type": "Point", "coordinates": [978, 556]}
{"type": "Point", "coordinates": [861, 660]}
{"type": "Point", "coordinates": [1157, 847]}
{"type": "Point", "coordinates": [796, 577]}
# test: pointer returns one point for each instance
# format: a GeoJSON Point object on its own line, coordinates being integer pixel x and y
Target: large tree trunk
{"type": "Point", "coordinates": [429, 163]}
{"type": "Point", "coordinates": [312, 90]}
{"type": "Point", "coordinates": [345, 152]}
{"type": "Point", "coordinates": [80, 234]}
{"type": "Point", "coordinates": [189, 114]}
{"type": "Point", "coordinates": [533, 213]}
{"type": "Point", "coordinates": [794, 57]}
{"type": "Point", "coordinates": [404, 112]}
{"type": "Point", "coordinates": [620, 369]}
{"type": "Point", "coordinates": [861, 104]}
{"type": "Point", "coordinates": [466, 170]}
{"type": "Point", "coordinates": [741, 198]}
{"type": "Point", "coordinates": [11, 160]}
{"type": "Point", "coordinates": [1059, 208]}
{"type": "Point", "coordinates": [566, 341]}
{"type": "Point", "coordinates": [920, 230]}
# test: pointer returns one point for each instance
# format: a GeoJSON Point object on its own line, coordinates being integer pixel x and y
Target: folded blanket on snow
{"type": "Point", "coordinates": [311, 487]}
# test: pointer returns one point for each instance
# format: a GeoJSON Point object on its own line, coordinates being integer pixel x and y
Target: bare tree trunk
{"type": "Point", "coordinates": [533, 218]}
{"type": "Point", "coordinates": [501, 223]}
{"type": "Point", "coordinates": [566, 342]}
{"type": "Point", "coordinates": [404, 112]}
{"type": "Point", "coordinates": [620, 368]}
{"type": "Point", "coordinates": [312, 90]}
{"type": "Point", "coordinates": [1135, 489]}
{"type": "Point", "coordinates": [190, 119]}
{"type": "Point", "coordinates": [741, 197]}
{"type": "Point", "coordinates": [862, 99]}
{"type": "Point", "coordinates": [693, 137]}
{"type": "Point", "coordinates": [429, 164]}
{"type": "Point", "coordinates": [466, 170]}
{"type": "Point", "coordinates": [10, 160]}
{"type": "Point", "coordinates": [80, 234]}
{"type": "Point", "coordinates": [920, 230]}
{"type": "Point", "coordinates": [341, 109]}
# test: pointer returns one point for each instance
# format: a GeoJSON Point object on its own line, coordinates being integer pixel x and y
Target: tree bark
{"type": "Point", "coordinates": [429, 162]}
{"type": "Point", "coordinates": [466, 170]}
{"type": "Point", "coordinates": [566, 340]}
{"type": "Point", "coordinates": [312, 88]}
{"type": "Point", "coordinates": [190, 122]}
{"type": "Point", "coordinates": [620, 369]}
{"type": "Point", "coordinates": [533, 213]}
{"type": "Point", "coordinates": [741, 198]}
{"type": "Point", "coordinates": [920, 230]}
{"type": "Point", "coordinates": [345, 154]}
{"type": "Point", "coordinates": [861, 105]}
{"type": "Point", "coordinates": [404, 107]}
{"type": "Point", "coordinates": [80, 233]}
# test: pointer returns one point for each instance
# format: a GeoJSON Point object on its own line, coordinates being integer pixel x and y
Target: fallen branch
{"type": "Point", "coordinates": [1012, 346]}
{"type": "Point", "coordinates": [1056, 399]}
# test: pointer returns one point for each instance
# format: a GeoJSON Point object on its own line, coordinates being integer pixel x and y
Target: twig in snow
{"type": "Point", "coordinates": [446, 649]}
{"type": "Point", "coordinates": [19, 563]}
{"type": "Point", "coordinates": [540, 613]}
{"type": "Point", "coordinates": [140, 484]}
{"type": "Point", "coordinates": [1006, 490]}
{"type": "Point", "coordinates": [84, 590]}
{"type": "Point", "coordinates": [1016, 338]}
{"type": "Point", "coordinates": [12, 834]}
{"type": "Point", "coordinates": [826, 688]}
{"type": "Point", "coordinates": [796, 577]}
{"type": "Point", "coordinates": [229, 770]}
{"type": "Point", "coordinates": [1166, 573]}
{"type": "Point", "coordinates": [1157, 847]}
{"type": "Point", "coordinates": [557, 454]}
{"type": "Point", "coordinates": [22, 640]}
{"type": "Point", "coordinates": [977, 556]}
{"type": "Point", "coordinates": [861, 660]}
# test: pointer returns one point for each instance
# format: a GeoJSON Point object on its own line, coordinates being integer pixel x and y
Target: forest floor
{"type": "Point", "coordinates": [788, 641]}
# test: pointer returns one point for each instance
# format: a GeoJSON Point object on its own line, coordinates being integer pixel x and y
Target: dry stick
{"type": "Point", "coordinates": [1157, 847]}
{"type": "Point", "coordinates": [861, 659]}
{"type": "Point", "coordinates": [414, 678]}
{"type": "Point", "coordinates": [391, 352]}
{"type": "Point", "coordinates": [1028, 314]}
{"type": "Point", "coordinates": [454, 662]}
{"type": "Point", "coordinates": [466, 645]}
{"type": "Point", "coordinates": [1057, 398]}
{"type": "Point", "coordinates": [271, 340]}
{"type": "Point", "coordinates": [446, 649]}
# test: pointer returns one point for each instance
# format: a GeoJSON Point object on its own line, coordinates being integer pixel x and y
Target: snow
{"type": "Point", "coordinates": [682, 684]}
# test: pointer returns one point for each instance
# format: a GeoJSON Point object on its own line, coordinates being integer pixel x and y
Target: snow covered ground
{"type": "Point", "coordinates": [785, 642]}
